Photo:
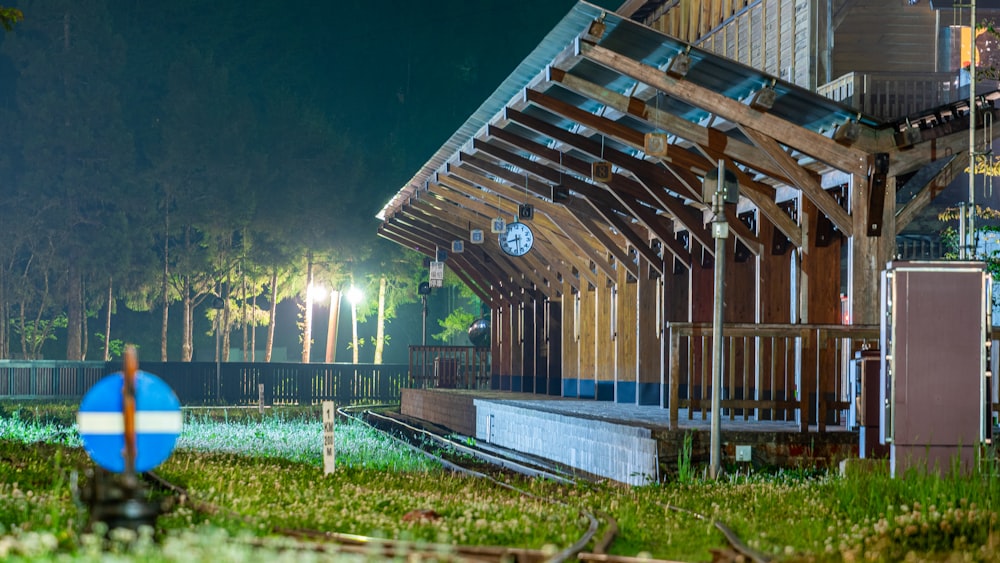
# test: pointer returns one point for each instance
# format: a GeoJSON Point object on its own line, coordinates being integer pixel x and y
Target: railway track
{"type": "Point", "coordinates": [464, 456]}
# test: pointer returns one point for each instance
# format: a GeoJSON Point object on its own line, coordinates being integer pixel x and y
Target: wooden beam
{"type": "Point", "coordinates": [803, 180]}
{"type": "Point", "coordinates": [932, 185]}
{"type": "Point", "coordinates": [470, 275]}
{"type": "Point", "coordinates": [843, 158]}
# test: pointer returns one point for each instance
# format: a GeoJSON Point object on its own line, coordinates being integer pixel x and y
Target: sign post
{"type": "Point", "coordinates": [329, 451]}
{"type": "Point", "coordinates": [128, 422]}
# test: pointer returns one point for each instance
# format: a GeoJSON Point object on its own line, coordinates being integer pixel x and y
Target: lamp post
{"type": "Point", "coordinates": [354, 295]}
{"type": "Point", "coordinates": [331, 329]}
{"type": "Point", "coordinates": [722, 187]}
{"type": "Point", "coordinates": [314, 293]}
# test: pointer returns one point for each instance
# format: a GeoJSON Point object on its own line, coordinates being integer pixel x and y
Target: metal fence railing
{"type": "Point", "coordinates": [210, 383]}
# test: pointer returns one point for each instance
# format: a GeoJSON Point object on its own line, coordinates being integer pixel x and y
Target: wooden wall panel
{"type": "Point", "coordinates": [882, 36]}
{"type": "Point", "coordinates": [554, 345]}
{"type": "Point", "coordinates": [588, 337]}
{"type": "Point", "coordinates": [626, 337]}
{"type": "Point", "coordinates": [605, 344]}
{"type": "Point", "coordinates": [650, 337]}
{"type": "Point", "coordinates": [570, 344]}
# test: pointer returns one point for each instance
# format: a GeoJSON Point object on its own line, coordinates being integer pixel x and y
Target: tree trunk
{"type": "Point", "coordinates": [107, 323]}
{"type": "Point", "coordinates": [307, 317]}
{"type": "Point", "coordinates": [165, 284]}
{"type": "Point", "coordinates": [74, 314]}
{"type": "Point", "coordinates": [84, 329]}
{"type": "Point", "coordinates": [186, 344]}
{"type": "Point", "coordinates": [226, 313]}
{"type": "Point", "coordinates": [380, 328]}
{"type": "Point", "coordinates": [271, 315]}
{"type": "Point", "coordinates": [243, 315]}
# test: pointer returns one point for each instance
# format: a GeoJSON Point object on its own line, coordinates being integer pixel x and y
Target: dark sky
{"type": "Point", "coordinates": [397, 78]}
{"type": "Point", "coordinates": [400, 75]}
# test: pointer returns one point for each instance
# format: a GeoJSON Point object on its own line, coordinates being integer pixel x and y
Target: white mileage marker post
{"type": "Point", "coordinates": [329, 460]}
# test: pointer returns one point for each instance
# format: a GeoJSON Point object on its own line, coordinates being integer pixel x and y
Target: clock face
{"type": "Point", "coordinates": [517, 239]}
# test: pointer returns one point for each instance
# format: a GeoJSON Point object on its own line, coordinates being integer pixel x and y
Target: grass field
{"type": "Point", "coordinates": [268, 470]}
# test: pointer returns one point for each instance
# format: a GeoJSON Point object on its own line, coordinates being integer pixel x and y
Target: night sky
{"type": "Point", "coordinates": [393, 80]}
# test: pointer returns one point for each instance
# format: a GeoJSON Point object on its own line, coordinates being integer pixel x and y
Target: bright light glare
{"type": "Point", "coordinates": [355, 295]}
{"type": "Point", "coordinates": [317, 293]}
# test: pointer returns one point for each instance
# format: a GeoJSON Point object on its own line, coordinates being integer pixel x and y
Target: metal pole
{"type": "Point", "coordinates": [423, 303]}
{"type": "Point", "coordinates": [971, 233]}
{"type": "Point", "coordinates": [720, 231]}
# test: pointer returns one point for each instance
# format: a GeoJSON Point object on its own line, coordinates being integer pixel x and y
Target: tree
{"type": "Point", "coordinates": [9, 17]}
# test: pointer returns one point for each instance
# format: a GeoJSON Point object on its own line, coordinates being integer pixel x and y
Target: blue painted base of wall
{"type": "Point", "coordinates": [494, 382]}
{"type": "Point", "coordinates": [516, 383]}
{"type": "Point", "coordinates": [569, 387]}
{"type": "Point", "coordinates": [605, 390]}
{"type": "Point", "coordinates": [554, 386]}
{"type": "Point", "coordinates": [586, 388]}
{"type": "Point", "coordinates": [649, 394]}
{"type": "Point", "coordinates": [625, 392]}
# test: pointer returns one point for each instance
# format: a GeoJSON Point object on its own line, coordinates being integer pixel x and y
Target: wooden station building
{"type": "Point", "coordinates": [841, 121]}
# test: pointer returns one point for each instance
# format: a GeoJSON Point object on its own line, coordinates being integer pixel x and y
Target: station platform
{"type": "Point", "coordinates": [629, 443]}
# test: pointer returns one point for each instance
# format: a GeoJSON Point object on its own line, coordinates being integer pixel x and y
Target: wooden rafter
{"type": "Point", "coordinates": [846, 159]}
{"type": "Point", "coordinates": [803, 180]}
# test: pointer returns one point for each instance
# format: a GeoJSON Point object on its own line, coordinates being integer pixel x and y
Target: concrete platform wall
{"type": "Point", "coordinates": [616, 451]}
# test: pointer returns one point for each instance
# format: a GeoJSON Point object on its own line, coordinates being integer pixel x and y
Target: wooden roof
{"type": "Point", "coordinates": [596, 90]}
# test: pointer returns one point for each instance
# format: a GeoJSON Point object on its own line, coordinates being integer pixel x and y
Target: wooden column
{"type": "Point", "coordinates": [649, 341]}
{"type": "Point", "coordinates": [526, 382]}
{"type": "Point", "coordinates": [626, 338]}
{"type": "Point", "coordinates": [500, 368]}
{"type": "Point", "coordinates": [516, 345]}
{"type": "Point", "coordinates": [604, 345]}
{"type": "Point", "coordinates": [553, 355]}
{"type": "Point", "coordinates": [869, 255]}
{"type": "Point", "coordinates": [819, 303]}
{"type": "Point", "coordinates": [740, 361]}
{"type": "Point", "coordinates": [702, 303]}
{"type": "Point", "coordinates": [775, 294]}
{"type": "Point", "coordinates": [588, 342]}
{"type": "Point", "coordinates": [570, 343]}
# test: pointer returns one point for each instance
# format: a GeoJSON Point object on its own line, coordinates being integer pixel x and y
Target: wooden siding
{"type": "Point", "coordinates": [886, 35]}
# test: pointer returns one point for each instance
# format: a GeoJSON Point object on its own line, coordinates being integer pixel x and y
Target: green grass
{"type": "Point", "coordinates": [268, 469]}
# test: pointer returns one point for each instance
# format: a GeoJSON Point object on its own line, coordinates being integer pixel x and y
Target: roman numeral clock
{"type": "Point", "coordinates": [517, 239]}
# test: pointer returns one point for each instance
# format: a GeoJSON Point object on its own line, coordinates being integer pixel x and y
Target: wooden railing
{"type": "Point", "coordinates": [771, 371]}
{"type": "Point", "coordinates": [892, 95]}
{"type": "Point", "coordinates": [209, 383]}
{"type": "Point", "coordinates": [450, 367]}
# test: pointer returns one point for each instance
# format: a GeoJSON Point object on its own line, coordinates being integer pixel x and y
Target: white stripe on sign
{"type": "Point", "coordinates": [146, 422]}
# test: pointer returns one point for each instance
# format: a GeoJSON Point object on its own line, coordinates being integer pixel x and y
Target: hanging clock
{"type": "Point", "coordinates": [517, 239]}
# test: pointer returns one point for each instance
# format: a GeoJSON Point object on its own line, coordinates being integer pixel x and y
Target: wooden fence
{"type": "Point", "coordinates": [209, 383]}
{"type": "Point", "coordinates": [772, 371]}
{"type": "Point", "coordinates": [450, 367]}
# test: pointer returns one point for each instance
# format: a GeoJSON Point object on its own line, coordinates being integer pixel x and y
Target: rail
{"type": "Point", "coordinates": [771, 371]}
{"type": "Point", "coordinates": [210, 383]}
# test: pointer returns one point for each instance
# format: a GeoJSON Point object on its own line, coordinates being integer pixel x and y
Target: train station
{"type": "Point", "coordinates": [739, 192]}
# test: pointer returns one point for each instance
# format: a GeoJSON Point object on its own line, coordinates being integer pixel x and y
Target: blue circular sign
{"type": "Point", "coordinates": [101, 423]}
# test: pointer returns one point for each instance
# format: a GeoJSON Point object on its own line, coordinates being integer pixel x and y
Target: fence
{"type": "Point", "coordinates": [892, 95]}
{"type": "Point", "coordinates": [450, 367]}
{"type": "Point", "coordinates": [772, 371]}
{"type": "Point", "coordinates": [209, 383]}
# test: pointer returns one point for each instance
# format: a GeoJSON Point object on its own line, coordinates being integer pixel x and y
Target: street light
{"type": "Point", "coordinates": [313, 293]}
{"type": "Point", "coordinates": [354, 295]}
